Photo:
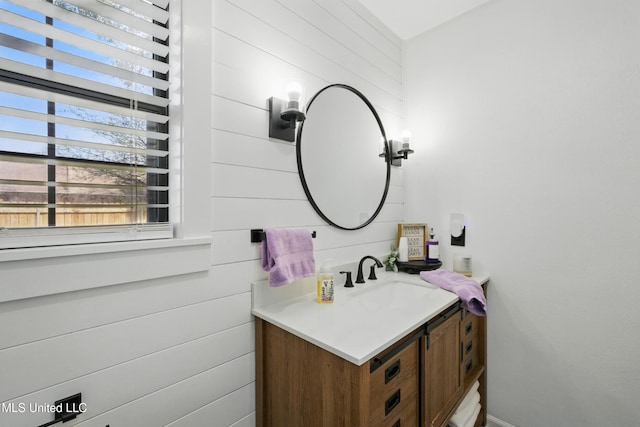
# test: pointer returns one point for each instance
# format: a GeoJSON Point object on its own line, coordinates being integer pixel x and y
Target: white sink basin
{"type": "Point", "coordinates": [393, 295]}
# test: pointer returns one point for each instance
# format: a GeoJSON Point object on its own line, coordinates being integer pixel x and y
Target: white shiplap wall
{"type": "Point", "coordinates": [179, 350]}
{"type": "Point", "coordinates": [257, 47]}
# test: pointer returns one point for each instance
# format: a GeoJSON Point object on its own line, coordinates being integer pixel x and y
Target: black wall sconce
{"type": "Point", "coordinates": [285, 114]}
{"type": "Point", "coordinates": [399, 149]}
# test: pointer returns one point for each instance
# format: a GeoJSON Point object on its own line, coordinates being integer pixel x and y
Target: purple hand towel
{"type": "Point", "coordinates": [287, 255]}
{"type": "Point", "coordinates": [469, 291]}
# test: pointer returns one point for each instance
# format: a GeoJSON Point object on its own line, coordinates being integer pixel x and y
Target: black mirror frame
{"type": "Point", "coordinates": [301, 171]}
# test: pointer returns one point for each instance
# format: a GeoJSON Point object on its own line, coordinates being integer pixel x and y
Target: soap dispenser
{"type": "Point", "coordinates": [432, 248]}
{"type": "Point", "coordinates": [325, 284]}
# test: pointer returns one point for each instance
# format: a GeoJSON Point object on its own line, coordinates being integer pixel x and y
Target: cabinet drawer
{"type": "Point", "coordinates": [400, 371]}
{"type": "Point", "coordinates": [468, 366]}
{"type": "Point", "coordinates": [394, 386]}
{"type": "Point", "coordinates": [468, 325]}
{"type": "Point", "coordinates": [398, 410]}
{"type": "Point", "coordinates": [469, 347]}
{"type": "Point", "coordinates": [405, 415]}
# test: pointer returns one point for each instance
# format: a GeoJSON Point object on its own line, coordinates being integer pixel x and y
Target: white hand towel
{"type": "Point", "coordinates": [465, 410]}
{"type": "Point", "coordinates": [471, 422]}
{"type": "Point", "coordinates": [470, 395]}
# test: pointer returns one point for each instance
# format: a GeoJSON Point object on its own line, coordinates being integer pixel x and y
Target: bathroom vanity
{"type": "Point", "coordinates": [396, 352]}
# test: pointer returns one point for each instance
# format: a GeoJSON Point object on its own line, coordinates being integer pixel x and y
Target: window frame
{"type": "Point", "coordinates": [72, 267]}
{"type": "Point", "coordinates": [54, 235]}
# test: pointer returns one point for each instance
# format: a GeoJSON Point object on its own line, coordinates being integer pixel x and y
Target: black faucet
{"type": "Point", "coordinates": [372, 275]}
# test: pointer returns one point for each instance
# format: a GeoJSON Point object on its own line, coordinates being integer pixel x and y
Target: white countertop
{"type": "Point", "coordinates": [362, 321]}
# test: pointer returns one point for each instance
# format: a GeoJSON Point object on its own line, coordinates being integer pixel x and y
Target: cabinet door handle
{"type": "Point", "coordinates": [468, 328]}
{"type": "Point", "coordinates": [468, 348]}
{"type": "Point", "coordinates": [467, 368]}
{"type": "Point", "coordinates": [392, 402]}
{"type": "Point", "coordinates": [392, 371]}
{"type": "Point", "coordinates": [396, 424]}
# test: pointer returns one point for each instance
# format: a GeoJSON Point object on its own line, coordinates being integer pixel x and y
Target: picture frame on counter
{"type": "Point", "coordinates": [416, 235]}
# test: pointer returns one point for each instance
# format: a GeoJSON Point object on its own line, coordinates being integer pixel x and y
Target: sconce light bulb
{"type": "Point", "coordinates": [294, 93]}
{"type": "Point", "coordinates": [405, 136]}
{"type": "Point", "coordinates": [291, 112]}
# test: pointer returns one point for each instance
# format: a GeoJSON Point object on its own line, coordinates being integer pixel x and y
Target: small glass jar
{"type": "Point", "coordinates": [462, 264]}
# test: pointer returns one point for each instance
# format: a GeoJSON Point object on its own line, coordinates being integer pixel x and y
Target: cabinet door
{"type": "Point", "coordinates": [442, 381]}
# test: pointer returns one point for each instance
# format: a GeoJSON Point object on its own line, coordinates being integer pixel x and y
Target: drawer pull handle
{"type": "Point", "coordinates": [396, 424]}
{"type": "Point", "coordinates": [467, 368]}
{"type": "Point", "coordinates": [468, 328]}
{"type": "Point", "coordinates": [392, 371]}
{"type": "Point", "coordinates": [392, 402]}
{"type": "Point", "coordinates": [468, 348]}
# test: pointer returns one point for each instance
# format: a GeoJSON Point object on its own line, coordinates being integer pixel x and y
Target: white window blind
{"type": "Point", "coordinates": [84, 144]}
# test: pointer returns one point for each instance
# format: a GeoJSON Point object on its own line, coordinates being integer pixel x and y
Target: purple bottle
{"type": "Point", "coordinates": [432, 248]}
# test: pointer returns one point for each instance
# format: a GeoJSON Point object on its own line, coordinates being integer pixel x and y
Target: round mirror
{"type": "Point", "coordinates": [339, 163]}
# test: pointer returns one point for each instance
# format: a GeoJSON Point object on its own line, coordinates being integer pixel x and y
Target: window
{"type": "Point", "coordinates": [84, 146]}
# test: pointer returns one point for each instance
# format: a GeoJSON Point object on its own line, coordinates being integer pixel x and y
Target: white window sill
{"type": "Point", "coordinates": [32, 272]}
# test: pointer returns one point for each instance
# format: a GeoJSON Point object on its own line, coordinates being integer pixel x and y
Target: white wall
{"type": "Point", "coordinates": [528, 112]}
{"type": "Point", "coordinates": [179, 350]}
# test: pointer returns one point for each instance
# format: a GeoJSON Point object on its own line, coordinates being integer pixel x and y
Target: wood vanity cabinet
{"type": "Point", "coordinates": [300, 384]}
{"type": "Point", "coordinates": [418, 381]}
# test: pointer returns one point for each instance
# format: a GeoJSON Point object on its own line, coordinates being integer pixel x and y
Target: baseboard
{"type": "Point", "coordinates": [493, 421]}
